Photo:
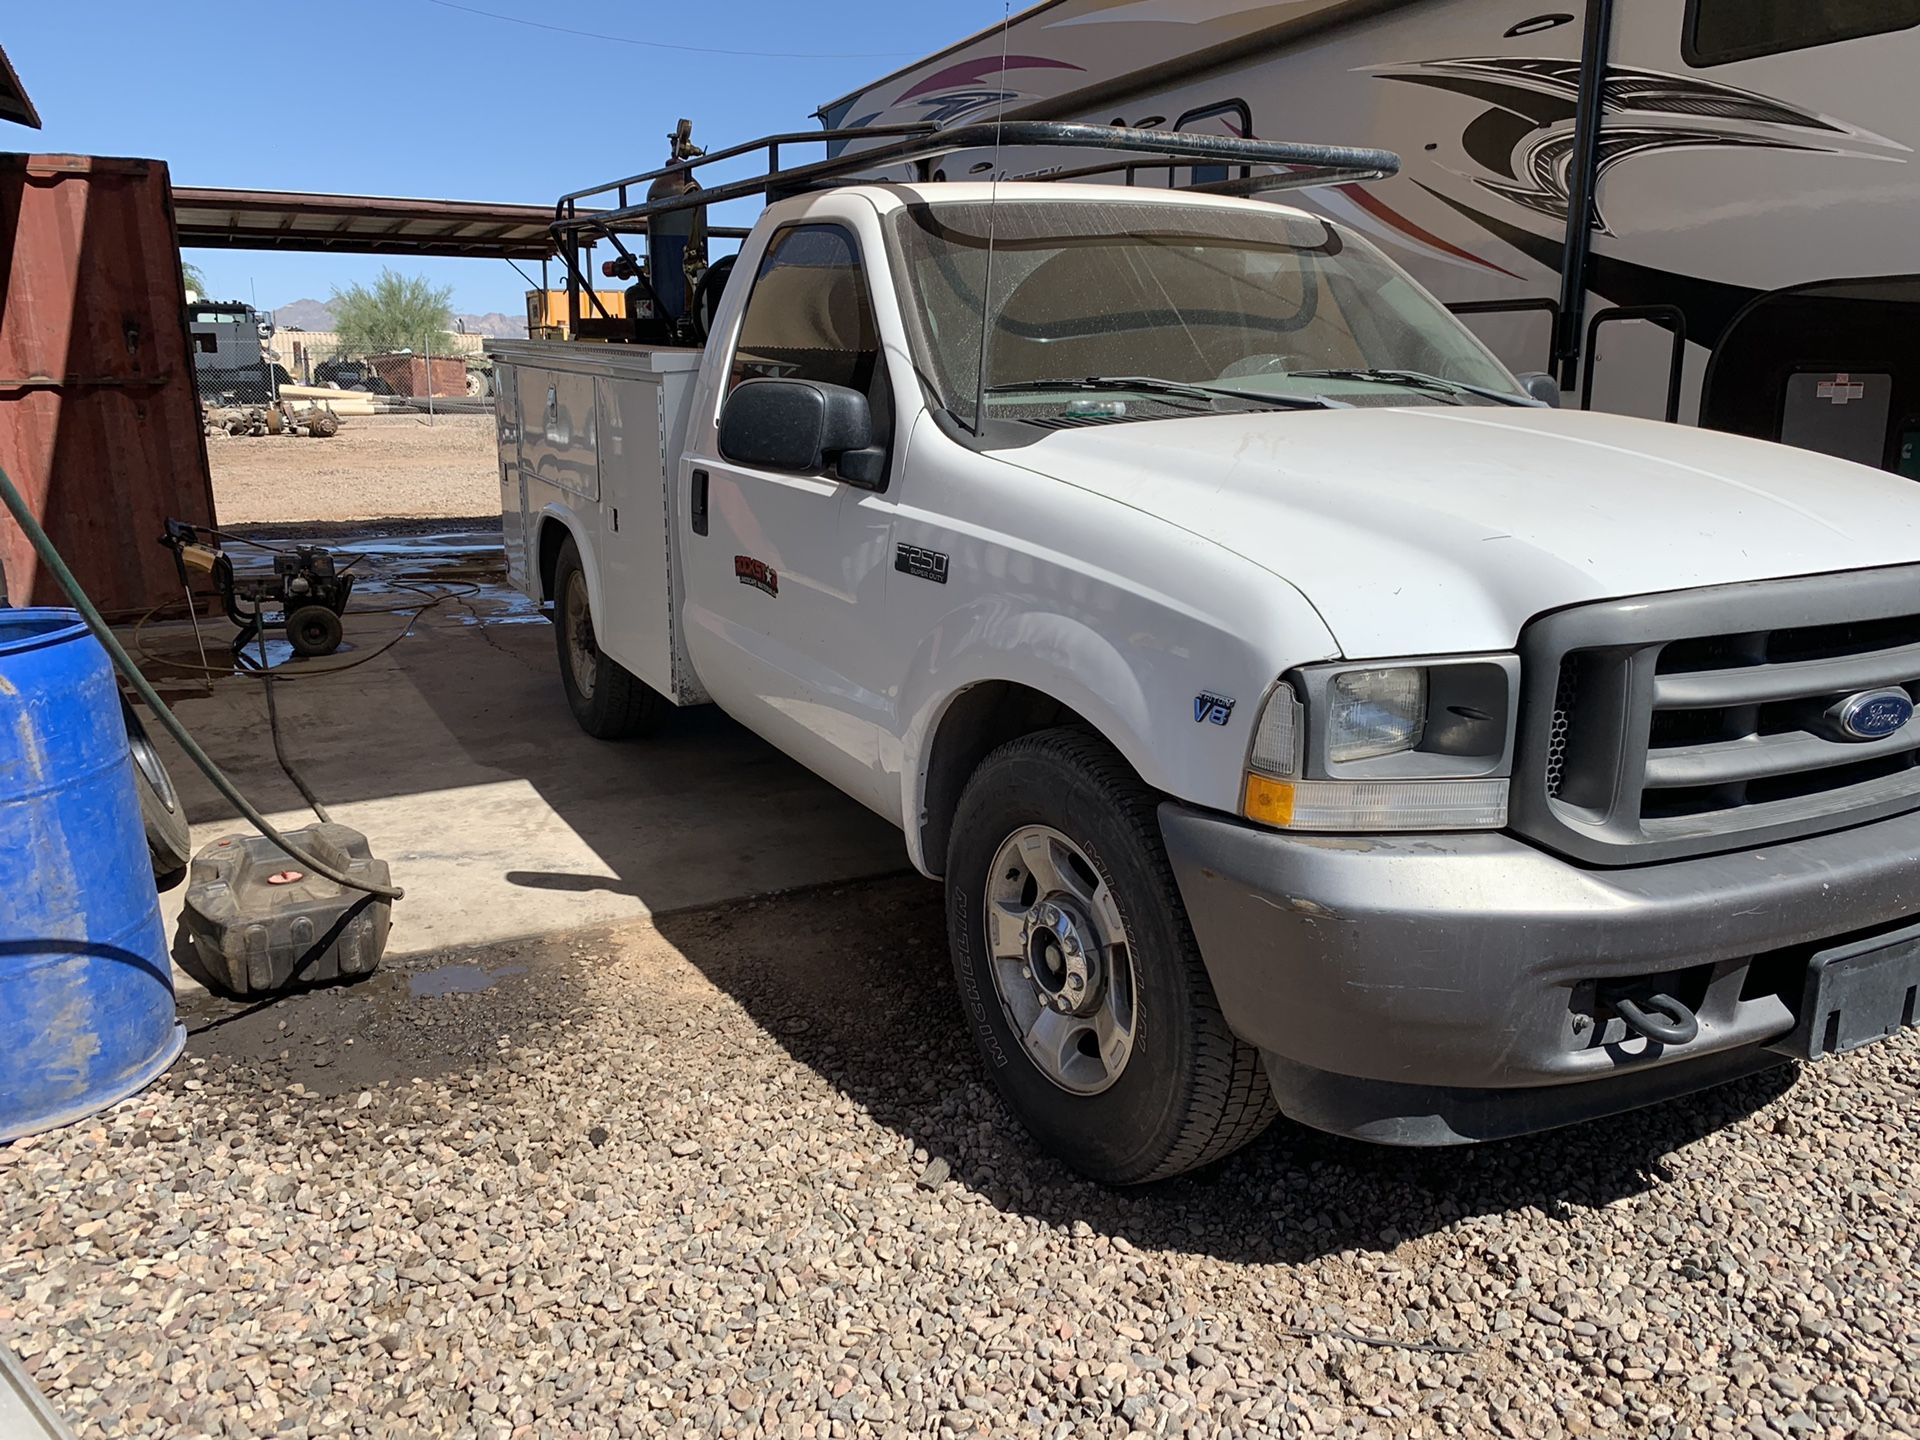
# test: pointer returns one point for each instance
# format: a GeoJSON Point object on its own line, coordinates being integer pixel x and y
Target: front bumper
{"type": "Point", "coordinates": [1435, 989]}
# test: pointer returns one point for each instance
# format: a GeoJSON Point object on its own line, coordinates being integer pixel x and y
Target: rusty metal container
{"type": "Point", "coordinates": [411, 374]}
{"type": "Point", "coordinates": [99, 420]}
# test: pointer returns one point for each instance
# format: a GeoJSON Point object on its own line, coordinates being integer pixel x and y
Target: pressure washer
{"type": "Point", "coordinates": [308, 586]}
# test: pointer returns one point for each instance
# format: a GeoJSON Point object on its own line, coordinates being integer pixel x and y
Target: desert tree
{"type": "Point", "coordinates": [396, 312]}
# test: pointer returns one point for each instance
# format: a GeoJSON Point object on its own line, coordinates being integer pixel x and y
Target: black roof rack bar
{"type": "Point", "coordinates": [769, 143]}
{"type": "Point", "coordinates": [1303, 164]}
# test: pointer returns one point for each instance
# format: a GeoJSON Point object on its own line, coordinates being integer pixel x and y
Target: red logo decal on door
{"type": "Point", "coordinates": [757, 573]}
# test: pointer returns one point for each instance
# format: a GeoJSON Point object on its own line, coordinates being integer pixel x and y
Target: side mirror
{"type": "Point", "coordinates": [1541, 386]}
{"type": "Point", "coordinates": [803, 426]}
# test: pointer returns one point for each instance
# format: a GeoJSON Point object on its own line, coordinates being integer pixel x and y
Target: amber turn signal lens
{"type": "Point", "coordinates": [1270, 802]}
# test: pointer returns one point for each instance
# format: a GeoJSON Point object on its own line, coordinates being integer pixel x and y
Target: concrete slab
{"type": "Point", "coordinates": [455, 753]}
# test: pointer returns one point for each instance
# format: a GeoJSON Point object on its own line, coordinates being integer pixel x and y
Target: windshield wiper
{"type": "Point", "coordinates": [1420, 380]}
{"type": "Point", "coordinates": [1153, 385]}
{"type": "Point", "coordinates": [1143, 383]}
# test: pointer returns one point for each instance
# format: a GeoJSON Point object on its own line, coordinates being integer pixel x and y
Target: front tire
{"type": "Point", "coordinates": [1079, 974]}
{"type": "Point", "coordinates": [609, 701]}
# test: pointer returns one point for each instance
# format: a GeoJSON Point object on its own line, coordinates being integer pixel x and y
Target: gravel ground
{"type": "Point", "coordinates": [738, 1173]}
{"type": "Point", "coordinates": [378, 466]}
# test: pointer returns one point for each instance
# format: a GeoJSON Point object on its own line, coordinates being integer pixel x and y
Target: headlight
{"type": "Point", "coordinates": [1424, 745]}
{"type": "Point", "coordinates": [1375, 712]}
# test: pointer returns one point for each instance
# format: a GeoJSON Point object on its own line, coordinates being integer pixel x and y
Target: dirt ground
{"type": "Point", "coordinates": [378, 466]}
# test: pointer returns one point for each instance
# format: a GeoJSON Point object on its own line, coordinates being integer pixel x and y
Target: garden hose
{"type": "Point", "coordinates": [50, 557]}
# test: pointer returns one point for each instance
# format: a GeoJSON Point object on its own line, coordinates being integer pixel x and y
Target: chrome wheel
{"type": "Point", "coordinates": [583, 656]}
{"type": "Point", "coordinates": [1061, 962]}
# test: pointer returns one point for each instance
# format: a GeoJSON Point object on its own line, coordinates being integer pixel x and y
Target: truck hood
{"type": "Point", "coordinates": [1427, 530]}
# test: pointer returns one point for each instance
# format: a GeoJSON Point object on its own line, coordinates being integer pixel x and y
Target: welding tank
{"type": "Point", "coordinates": [668, 237]}
{"type": "Point", "coordinates": [86, 987]}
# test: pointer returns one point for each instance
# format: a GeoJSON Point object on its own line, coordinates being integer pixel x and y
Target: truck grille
{"type": "Point", "coordinates": [1697, 721]}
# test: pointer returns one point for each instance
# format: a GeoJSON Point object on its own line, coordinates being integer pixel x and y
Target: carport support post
{"type": "Point", "coordinates": [1583, 177]}
{"type": "Point", "coordinates": [427, 343]}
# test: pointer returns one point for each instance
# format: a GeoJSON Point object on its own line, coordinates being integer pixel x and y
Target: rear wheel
{"type": "Point", "coordinates": [314, 630]}
{"type": "Point", "coordinates": [609, 701]}
{"type": "Point", "coordinates": [1079, 973]}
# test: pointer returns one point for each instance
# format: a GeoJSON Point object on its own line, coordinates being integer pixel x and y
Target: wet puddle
{"type": "Point", "coordinates": [173, 658]}
{"type": "Point", "coordinates": [464, 569]}
{"type": "Point", "coordinates": [459, 980]}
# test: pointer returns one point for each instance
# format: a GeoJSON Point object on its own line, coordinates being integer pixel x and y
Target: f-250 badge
{"type": "Point", "coordinates": [1208, 706]}
{"type": "Point", "coordinates": [757, 573]}
{"type": "Point", "coordinates": [927, 564]}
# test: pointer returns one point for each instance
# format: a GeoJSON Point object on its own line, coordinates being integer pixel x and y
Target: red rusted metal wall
{"type": "Point", "coordinates": [408, 374]}
{"type": "Point", "coordinates": [99, 420]}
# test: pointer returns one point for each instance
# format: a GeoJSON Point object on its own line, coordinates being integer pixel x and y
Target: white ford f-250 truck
{"type": "Point", "coordinates": [1301, 714]}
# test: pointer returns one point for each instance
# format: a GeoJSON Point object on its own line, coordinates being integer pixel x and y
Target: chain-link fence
{"type": "Point", "coordinates": [242, 360]}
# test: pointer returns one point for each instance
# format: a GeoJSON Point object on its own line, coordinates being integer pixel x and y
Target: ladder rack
{"type": "Point", "coordinates": [607, 211]}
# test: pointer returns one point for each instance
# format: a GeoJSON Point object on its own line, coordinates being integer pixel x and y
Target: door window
{"type": "Point", "coordinates": [1721, 31]}
{"type": "Point", "coordinates": [809, 316]}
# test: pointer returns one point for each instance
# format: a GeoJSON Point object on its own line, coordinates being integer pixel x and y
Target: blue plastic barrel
{"type": "Point", "coordinates": [86, 988]}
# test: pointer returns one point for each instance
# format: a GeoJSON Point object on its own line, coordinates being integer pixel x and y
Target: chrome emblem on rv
{"type": "Point", "coordinates": [1872, 714]}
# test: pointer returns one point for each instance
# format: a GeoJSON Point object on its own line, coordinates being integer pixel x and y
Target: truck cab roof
{"type": "Point", "coordinates": [886, 197]}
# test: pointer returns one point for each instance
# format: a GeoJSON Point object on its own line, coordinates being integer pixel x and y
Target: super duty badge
{"type": "Point", "coordinates": [927, 564]}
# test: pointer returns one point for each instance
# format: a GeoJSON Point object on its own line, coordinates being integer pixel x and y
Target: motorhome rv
{"type": "Point", "coordinates": [1746, 170]}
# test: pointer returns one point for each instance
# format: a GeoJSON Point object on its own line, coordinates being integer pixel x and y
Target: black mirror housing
{"type": "Point", "coordinates": [1541, 386]}
{"type": "Point", "coordinates": [801, 425]}
{"type": "Point", "coordinates": [866, 467]}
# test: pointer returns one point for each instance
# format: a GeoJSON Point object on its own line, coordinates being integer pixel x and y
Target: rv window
{"type": "Point", "coordinates": [809, 316]}
{"type": "Point", "coordinates": [1721, 31]}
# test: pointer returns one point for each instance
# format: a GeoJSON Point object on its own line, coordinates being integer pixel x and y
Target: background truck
{"type": "Point", "coordinates": [231, 362]}
{"type": "Point", "coordinates": [1301, 712]}
{"type": "Point", "coordinates": [1700, 210]}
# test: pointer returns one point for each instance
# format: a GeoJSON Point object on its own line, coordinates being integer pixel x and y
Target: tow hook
{"type": "Point", "coordinates": [1660, 1018]}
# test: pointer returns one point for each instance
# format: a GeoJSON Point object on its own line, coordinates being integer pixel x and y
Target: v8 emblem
{"type": "Point", "coordinates": [1208, 706]}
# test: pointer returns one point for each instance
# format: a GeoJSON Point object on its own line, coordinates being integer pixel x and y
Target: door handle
{"type": "Point", "coordinates": [699, 506]}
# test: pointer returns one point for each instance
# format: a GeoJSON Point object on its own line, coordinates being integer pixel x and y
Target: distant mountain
{"type": "Point", "coordinates": [317, 315]}
{"type": "Point", "coordinates": [495, 325]}
{"type": "Point", "coordinates": [303, 315]}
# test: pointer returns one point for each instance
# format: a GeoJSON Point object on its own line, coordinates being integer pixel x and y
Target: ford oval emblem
{"type": "Point", "coordinates": [1873, 714]}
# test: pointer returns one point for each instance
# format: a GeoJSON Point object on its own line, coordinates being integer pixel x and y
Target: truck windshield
{"type": "Point", "coordinates": [1241, 302]}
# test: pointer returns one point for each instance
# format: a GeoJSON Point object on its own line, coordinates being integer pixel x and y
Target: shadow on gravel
{"type": "Point", "coordinates": [855, 983]}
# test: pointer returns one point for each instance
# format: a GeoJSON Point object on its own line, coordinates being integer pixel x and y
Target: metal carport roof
{"type": "Point", "coordinates": [359, 224]}
{"type": "Point", "coordinates": [14, 104]}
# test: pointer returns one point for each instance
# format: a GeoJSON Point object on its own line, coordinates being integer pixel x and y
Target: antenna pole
{"type": "Point", "coordinates": [993, 197]}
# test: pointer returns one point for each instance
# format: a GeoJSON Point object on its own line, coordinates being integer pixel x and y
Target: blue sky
{"type": "Point", "coordinates": [228, 94]}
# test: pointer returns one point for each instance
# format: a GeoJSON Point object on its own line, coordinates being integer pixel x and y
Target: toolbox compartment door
{"type": "Point", "coordinates": [641, 422]}
{"type": "Point", "coordinates": [597, 435]}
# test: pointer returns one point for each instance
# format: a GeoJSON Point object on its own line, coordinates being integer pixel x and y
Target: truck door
{"type": "Point", "coordinates": [784, 588]}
